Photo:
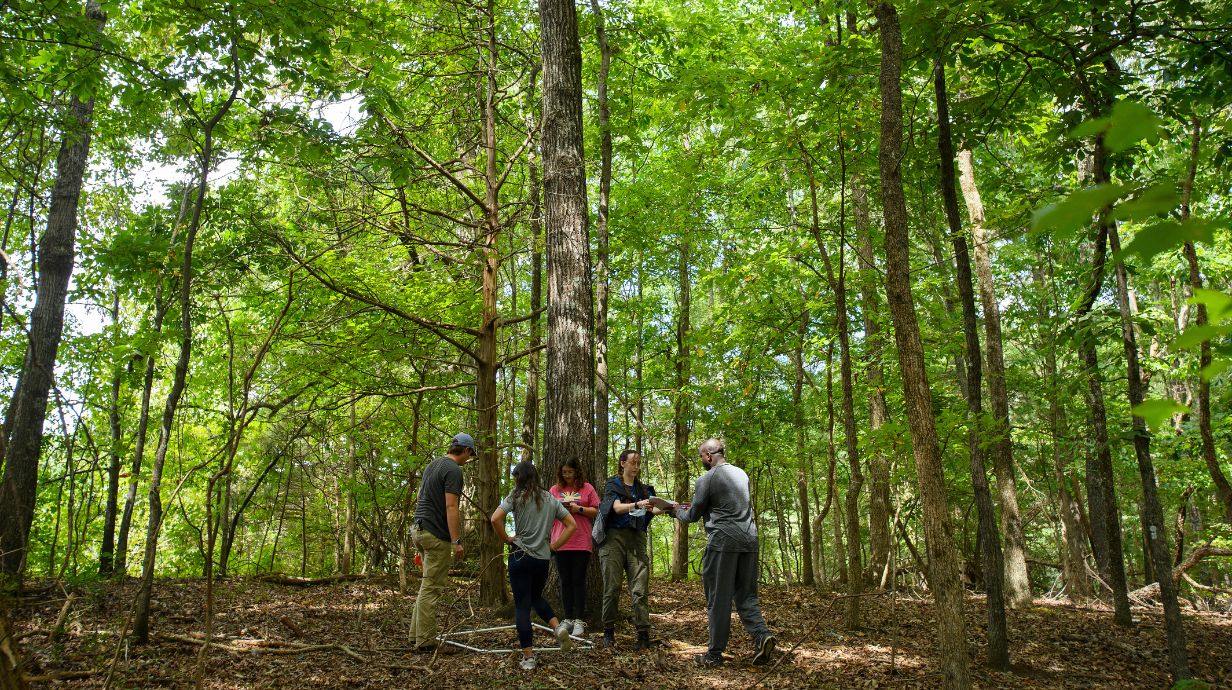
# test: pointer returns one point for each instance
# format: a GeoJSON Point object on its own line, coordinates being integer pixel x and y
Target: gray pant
{"type": "Point", "coordinates": [729, 576]}
{"type": "Point", "coordinates": [623, 555]}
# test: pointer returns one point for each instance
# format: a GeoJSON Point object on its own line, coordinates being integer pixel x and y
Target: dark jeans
{"type": "Point", "coordinates": [527, 575]}
{"type": "Point", "coordinates": [571, 567]}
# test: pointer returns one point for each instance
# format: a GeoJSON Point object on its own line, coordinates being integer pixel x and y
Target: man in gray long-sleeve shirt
{"type": "Point", "coordinates": [729, 564]}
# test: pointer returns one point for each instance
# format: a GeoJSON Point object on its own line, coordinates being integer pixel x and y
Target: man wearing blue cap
{"type": "Point", "coordinates": [437, 534]}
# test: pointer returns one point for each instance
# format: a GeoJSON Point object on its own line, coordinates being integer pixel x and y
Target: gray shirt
{"type": "Point", "coordinates": [532, 524]}
{"type": "Point", "coordinates": [440, 477]}
{"type": "Point", "coordinates": [721, 496]}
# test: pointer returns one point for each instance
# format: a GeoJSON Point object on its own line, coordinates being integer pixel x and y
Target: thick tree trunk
{"type": "Point", "coordinates": [680, 415]}
{"type": "Point", "coordinates": [28, 408]}
{"type": "Point", "coordinates": [530, 409]}
{"type": "Point", "coordinates": [878, 460]}
{"type": "Point", "coordinates": [1017, 579]}
{"type": "Point", "coordinates": [569, 418]}
{"type": "Point", "coordinates": [1153, 529]}
{"type": "Point", "coordinates": [942, 562]}
{"type": "Point", "coordinates": [990, 547]}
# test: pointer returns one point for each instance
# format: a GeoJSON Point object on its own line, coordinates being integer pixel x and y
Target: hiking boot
{"type": "Point", "coordinates": [562, 635]}
{"type": "Point", "coordinates": [708, 660]}
{"type": "Point", "coordinates": [643, 640]}
{"type": "Point", "coordinates": [609, 638]}
{"type": "Point", "coordinates": [528, 663]}
{"type": "Point", "coordinates": [579, 628]}
{"type": "Point", "coordinates": [763, 650]}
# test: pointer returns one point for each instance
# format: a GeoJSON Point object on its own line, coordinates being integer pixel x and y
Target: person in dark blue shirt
{"type": "Point", "coordinates": [627, 512]}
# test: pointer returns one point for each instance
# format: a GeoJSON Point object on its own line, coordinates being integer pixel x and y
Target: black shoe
{"type": "Point", "coordinates": [609, 638]}
{"type": "Point", "coordinates": [763, 650]}
{"type": "Point", "coordinates": [643, 640]}
{"type": "Point", "coordinates": [708, 660]}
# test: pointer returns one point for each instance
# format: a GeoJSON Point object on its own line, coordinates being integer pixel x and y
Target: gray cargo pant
{"type": "Point", "coordinates": [622, 555]}
{"type": "Point", "coordinates": [727, 577]}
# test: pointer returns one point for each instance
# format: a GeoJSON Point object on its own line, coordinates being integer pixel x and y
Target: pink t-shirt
{"type": "Point", "coordinates": [587, 498]}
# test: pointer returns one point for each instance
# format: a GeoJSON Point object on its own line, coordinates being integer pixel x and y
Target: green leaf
{"type": "Point", "coordinates": [1194, 336]}
{"type": "Point", "coordinates": [1130, 123]}
{"type": "Point", "coordinates": [1158, 412]}
{"type": "Point", "coordinates": [1160, 237]}
{"type": "Point", "coordinates": [1075, 211]}
{"type": "Point", "coordinates": [1218, 304]}
{"type": "Point", "coordinates": [1153, 200]}
{"type": "Point", "coordinates": [1214, 369]}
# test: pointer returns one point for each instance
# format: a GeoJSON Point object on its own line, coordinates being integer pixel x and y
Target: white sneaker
{"type": "Point", "coordinates": [562, 634]}
{"type": "Point", "coordinates": [528, 663]}
{"type": "Point", "coordinates": [579, 628]}
{"type": "Point", "coordinates": [568, 623]}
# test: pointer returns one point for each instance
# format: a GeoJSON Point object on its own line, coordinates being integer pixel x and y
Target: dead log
{"type": "Point", "coordinates": [1151, 591]}
{"type": "Point", "coordinates": [59, 675]}
{"type": "Point", "coordinates": [292, 581]}
{"type": "Point", "coordinates": [58, 628]}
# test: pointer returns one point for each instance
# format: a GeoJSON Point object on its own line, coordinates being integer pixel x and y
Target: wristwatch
{"type": "Point", "coordinates": [456, 542]}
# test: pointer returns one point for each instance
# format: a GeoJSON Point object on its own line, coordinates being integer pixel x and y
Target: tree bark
{"type": "Point", "coordinates": [942, 562]}
{"type": "Point", "coordinates": [569, 418]}
{"type": "Point", "coordinates": [680, 414]}
{"type": "Point", "coordinates": [106, 554]}
{"type": "Point", "coordinates": [802, 494]}
{"type": "Point", "coordinates": [878, 460]}
{"type": "Point", "coordinates": [1153, 529]}
{"type": "Point", "coordinates": [1101, 487]}
{"type": "Point", "coordinates": [1017, 578]}
{"type": "Point", "coordinates": [602, 278]}
{"type": "Point", "coordinates": [990, 547]}
{"type": "Point", "coordinates": [28, 409]}
{"type": "Point", "coordinates": [530, 409]}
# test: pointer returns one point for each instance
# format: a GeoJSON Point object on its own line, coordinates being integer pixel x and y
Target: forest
{"type": "Point", "coordinates": [951, 280]}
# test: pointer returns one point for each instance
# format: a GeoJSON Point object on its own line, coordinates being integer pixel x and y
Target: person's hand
{"type": "Point", "coordinates": [575, 508]}
{"type": "Point", "coordinates": [458, 551]}
{"type": "Point", "coordinates": [644, 503]}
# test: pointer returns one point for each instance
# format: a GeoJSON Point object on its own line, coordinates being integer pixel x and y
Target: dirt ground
{"type": "Point", "coordinates": [354, 635]}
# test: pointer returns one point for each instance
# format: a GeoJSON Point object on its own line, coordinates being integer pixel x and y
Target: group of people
{"type": "Point", "coordinates": [558, 523]}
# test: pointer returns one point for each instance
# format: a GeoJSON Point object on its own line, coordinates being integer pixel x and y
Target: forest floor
{"type": "Point", "coordinates": [354, 635]}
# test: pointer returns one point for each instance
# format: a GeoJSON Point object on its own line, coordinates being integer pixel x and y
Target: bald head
{"type": "Point", "coordinates": [711, 452]}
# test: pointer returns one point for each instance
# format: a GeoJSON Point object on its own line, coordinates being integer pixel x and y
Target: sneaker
{"type": "Point", "coordinates": [562, 634]}
{"type": "Point", "coordinates": [763, 650]}
{"type": "Point", "coordinates": [568, 623]}
{"type": "Point", "coordinates": [579, 628]}
{"type": "Point", "coordinates": [708, 660]}
{"type": "Point", "coordinates": [528, 663]}
{"type": "Point", "coordinates": [609, 638]}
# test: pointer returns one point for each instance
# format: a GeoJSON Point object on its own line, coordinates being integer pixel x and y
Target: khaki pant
{"type": "Point", "coordinates": [624, 555]}
{"type": "Point", "coordinates": [437, 554]}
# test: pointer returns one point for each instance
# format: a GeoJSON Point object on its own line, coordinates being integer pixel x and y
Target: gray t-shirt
{"type": "Point", "coordinates": [532, 524]}
{"type": "Point", "coordinates": [721, 496]}
{"type": "Point", "coordinates": [441, 476]}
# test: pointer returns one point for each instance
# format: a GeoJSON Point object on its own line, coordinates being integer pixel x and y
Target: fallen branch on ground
{"type": "Point", "coordinates": [58, 675]}
{"type": "Point", "coordinates": [248, 645]}
{"type": "Point", "coordinates": [292, 581]}
{"type": "Point", "coordinates": [1151, 591]}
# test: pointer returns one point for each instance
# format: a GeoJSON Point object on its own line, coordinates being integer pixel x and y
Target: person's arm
{"type": "Point", "coordinates": [455, 523]}
{"type": "Point", "coordinates": [498, 525]}
{"type": "Point", "coordinates": [613, 493]}
{"type": "Point", "coordinates": [570, 525]}
{"type": "Point", "coordinates": [590, 508]}
{"type": "Point", "coordinates": [701, 503]}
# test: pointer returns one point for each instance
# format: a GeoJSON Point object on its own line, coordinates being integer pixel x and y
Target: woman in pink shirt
{"type": "Point", "coordinates": [581, 499]}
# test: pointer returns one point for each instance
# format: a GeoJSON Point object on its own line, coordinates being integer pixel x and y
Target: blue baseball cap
{"type": "Point", "coordinates": [466, 441]}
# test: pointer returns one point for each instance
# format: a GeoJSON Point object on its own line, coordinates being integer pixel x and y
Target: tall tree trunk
{"type": "Point", "coordinates": [681, 413]}
{"type": "Point", "coordinates": [106, 555]}
{"type": "Point", "coordinates": [1101, 486]}
{"type": "Point", "coordinates": [28, 409]}
{"type": "Point", "coordinates": [602, 278]}
{"type": "Point", "coordinates": [530, 410]}
{"type": "Point", "coordinates": [348, 534]}
{"type": "Point", "coordinates": [1153, 529]}
{"type": "Point", "coordinates": [802, 494]}
{"type": "Point", "coordinates": [1073, 558]}
{"type": "Point", "coordinates": [990, 547]}
{"type": "Point", "coordinates": [492, 589]}
{"type": "Point", "coordinates": [840, 553]}
{"type": "Point", "coordinates": [569, 418]}
{"type": "Point", "coordinates": [838, 285]}
{"type": "Point", "coordinates": [1223, 490]}
{"type": "Point", "coordinates": [942, 561]}
{"type": "Point", "coordinates": [878, 460]}
{"type": "Point", "coordinates": [141, 624]}
{"type": "Point", "coordinates": [1017, 579]}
